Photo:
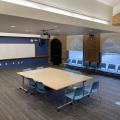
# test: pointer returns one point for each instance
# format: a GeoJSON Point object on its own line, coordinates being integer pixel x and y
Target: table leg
{"type": "Point", "coordinates": [23, 85]}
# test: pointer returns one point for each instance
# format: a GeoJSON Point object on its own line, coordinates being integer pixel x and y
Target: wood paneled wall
{"type": "Point", "coordinates": [91, 48]}
{"type": "Point", "coordinates": [116, 19]}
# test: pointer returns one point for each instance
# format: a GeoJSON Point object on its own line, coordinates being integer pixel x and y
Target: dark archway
{"type": "Point", "coordinates": [56, 51]}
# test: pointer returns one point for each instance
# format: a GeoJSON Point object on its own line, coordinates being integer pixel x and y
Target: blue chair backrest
{"type": "Point", "coordinates": [111, 66]}
{"type": "Point", "coordinates": [31, 82]}
{"type": "Point", "coordinates": [93, 64]}
{"type": "Point", "coordinates": [95, 86]}
{"type": "Point", "coordinates": [40, 88]}
{"type": "Point", "coordinates": [67, 61]}
{"type": "Point", "coordinates": [27, 69]}
{"type": "Point", "coordinates": [118, 68]}
{"type": "Point", "coordinates": [78, 91]}
{"type": "Point", "coordinates": [102, 65]}
{"type": "Point", "coordinates": [39, 67]}
{"type": "Point", "coordinates": [79, 62]}
{"type": "Point", "coordinates": [73, 61]}
{"type": "Point", "coordinates": [86, 63]}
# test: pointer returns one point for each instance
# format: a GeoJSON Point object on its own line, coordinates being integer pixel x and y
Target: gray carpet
{"type": "Point", "coordinates": [17, 105]}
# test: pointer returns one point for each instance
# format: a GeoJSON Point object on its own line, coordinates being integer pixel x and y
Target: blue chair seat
{"type": "Point", "coordinates": [75, 94]}
{"type": "Point", "coordinates": [88, 90]}
{"type": "Point", "coordinates": [71, 96]}
{"type": "Point", "coordinates": [102, 69]}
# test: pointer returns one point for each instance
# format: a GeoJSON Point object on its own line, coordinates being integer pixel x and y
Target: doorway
{"type": "Point", "coordinates": [56, 51]}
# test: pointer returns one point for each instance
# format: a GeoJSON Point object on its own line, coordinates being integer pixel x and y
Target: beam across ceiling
{"type": "Point", "coordinates": [33, 13]}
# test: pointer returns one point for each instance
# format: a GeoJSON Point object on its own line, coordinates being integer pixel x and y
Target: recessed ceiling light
{"type": "Point", "coordinates": [12, 26]}
{"type": "Point", "coordinates": [55, 26]}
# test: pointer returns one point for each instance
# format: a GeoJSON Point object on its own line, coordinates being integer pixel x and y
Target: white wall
{"type": "Point", "coordinates": [87, 7]}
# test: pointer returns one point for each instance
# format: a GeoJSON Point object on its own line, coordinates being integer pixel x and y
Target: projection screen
{"type": "Point", "coordinates": [14, 51]}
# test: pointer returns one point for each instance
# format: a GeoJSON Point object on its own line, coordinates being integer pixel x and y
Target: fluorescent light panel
{"type": "Point", "coordinates": [55, 10]}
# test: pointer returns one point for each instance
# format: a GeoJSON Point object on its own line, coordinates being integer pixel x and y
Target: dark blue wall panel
{"type": "Point", "coordinates": [39, 50]}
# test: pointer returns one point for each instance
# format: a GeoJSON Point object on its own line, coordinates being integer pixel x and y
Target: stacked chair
{"type": "Point", "coordinates": [93, 66]}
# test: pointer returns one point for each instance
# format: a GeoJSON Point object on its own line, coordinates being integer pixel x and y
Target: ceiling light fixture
{"type": "Point", "coordinates": [55, 26]}
{"type": "Point", "coordinates": [12, 26]}
{"type": "Point", "coordinates": [56, 10]}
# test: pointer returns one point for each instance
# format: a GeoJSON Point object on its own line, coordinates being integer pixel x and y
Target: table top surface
{"type": "Point", "coordinates": [55, 78]}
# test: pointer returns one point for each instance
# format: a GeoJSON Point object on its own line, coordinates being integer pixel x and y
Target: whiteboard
{"type": "Point", "coordinates": [13, 51]}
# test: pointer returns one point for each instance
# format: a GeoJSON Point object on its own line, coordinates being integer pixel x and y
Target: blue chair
{"type": "Point", "coordinates": [102, 67]}
{"type": "Point", "coordinates": [79, 62]}
{"type": "Point", "coordinates": [31, 82]}
{"type": "Point", "coordinates": [92, 89]}
{"type": "Point", "coordinates": [118, 69]}
{"type": "Point", "coordinates": [93, 65]}
{"type": "Point", "coordinates": [40, 88]}
{"type": "Point", "coordinates": [27, 69]}
{"type": "Point", "coordinates": [37, 68]}
{"type": "Point", "coordinates": [111, 68]}
{"type": "Point", "coordinates": [67, 61]}
{"type": "Point", "coordinates": [86, 63]}
{"type": "Point", "coordinates": [73, 61]}
{"type": "Point", "coordinates": [76, 94]}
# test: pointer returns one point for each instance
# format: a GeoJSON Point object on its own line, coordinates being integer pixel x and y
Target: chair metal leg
{"type": "Point", "coordinates": [32, 91]}
{"type": "Point", "coordinates": [64, 105]}
{"type": "Point", "coordinates": [83, 87]}
{"type": "Point", "coordinates": [65, 102]}
{"type": "Point", "coordinates": [23, 85]}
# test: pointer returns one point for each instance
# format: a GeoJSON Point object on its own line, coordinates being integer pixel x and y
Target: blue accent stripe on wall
{"type": "Point", "coordinates": [39, 50]}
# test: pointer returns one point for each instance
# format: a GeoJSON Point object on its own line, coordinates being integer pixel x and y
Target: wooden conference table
{"type": "Point", "coordinates": [55, 79]}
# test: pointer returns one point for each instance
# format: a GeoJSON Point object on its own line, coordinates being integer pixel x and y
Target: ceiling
{"type": "Point", "coordinates": [13, 24]}
{"type": "Point", "coordinates": [107, 2]}
{"type": "Point", "coordinates": [110, 2]}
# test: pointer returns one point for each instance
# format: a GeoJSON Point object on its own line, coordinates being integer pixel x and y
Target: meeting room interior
{"type": "Point", "coordinates": [59, 60]}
